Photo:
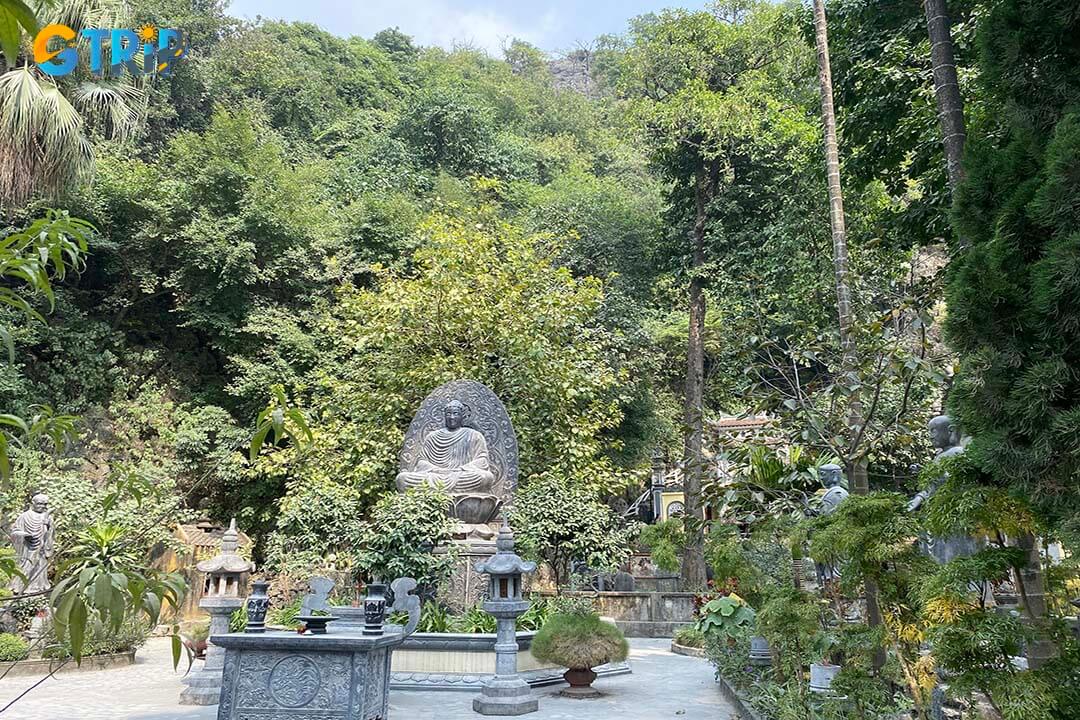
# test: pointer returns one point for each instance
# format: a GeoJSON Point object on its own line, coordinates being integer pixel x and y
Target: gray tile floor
{"type": "Point", "coordinates": [662, 685]}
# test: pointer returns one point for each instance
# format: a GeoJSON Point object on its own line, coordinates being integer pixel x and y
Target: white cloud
{"type": "Point", "coordinates": [431, 22]}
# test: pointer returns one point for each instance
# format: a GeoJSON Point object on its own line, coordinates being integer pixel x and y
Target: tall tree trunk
{"type": "Point", "coordinates": [1033, 591]}
{"type": "Point", "coordinates": [856, 461]}
{"type": "Point", "coordinates": [841, 270]}
{"type": "Point", "coordinates": [947, 89]}
{"type": "Point", "coordinates": [693, 566]}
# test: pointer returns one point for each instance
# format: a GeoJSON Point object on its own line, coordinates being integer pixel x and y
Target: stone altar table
{"type": "Point", "coordinates": [287, 676]}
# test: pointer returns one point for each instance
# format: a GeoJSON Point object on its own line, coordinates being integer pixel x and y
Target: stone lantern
{"type": "Point", "coordinates": [505, 693]}
{"type": "Point", "coordinates": [223, 593]}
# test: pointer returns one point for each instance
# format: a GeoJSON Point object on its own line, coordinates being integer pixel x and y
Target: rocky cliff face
{"type": "Point", "coordinates": [573, 71]}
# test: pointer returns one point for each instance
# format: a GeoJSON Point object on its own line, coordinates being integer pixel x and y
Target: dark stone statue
{"type": "Point", "coordinates": [462, 440]}
{"type": "Point", "coordinates": [452, 457]}
{"type": "Point", "coordinates": [832, 478]}
{"type": "Point", "coordinates": [944, 436]}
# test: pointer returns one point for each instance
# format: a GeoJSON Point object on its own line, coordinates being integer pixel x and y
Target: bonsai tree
{"type": "Point", "coordinates": [579, 640]}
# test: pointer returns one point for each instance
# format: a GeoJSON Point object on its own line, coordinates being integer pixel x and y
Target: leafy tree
{"type": "Point", "coordinates": [665, 541]}
{"type": "Point", "coordinates": [701, 85]}
{"type": "Point", "coordinates": [883, 74]}
{"type": "Point", "coordinates": [302, 76]}
{"type": "Point", "coordinates": [559, 524]}
{"type": "Point", "coordinates": [30, 259]}
{"type": "Point", "coordinates": [396, 44]}
{"type": "Point", "coordinates": [482, 300]}
{"type": "Point", "coordinates": [1013, 294]}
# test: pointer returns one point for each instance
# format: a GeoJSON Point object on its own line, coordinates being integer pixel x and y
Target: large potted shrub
{"type": "Point", "coordinates": [577, 639]}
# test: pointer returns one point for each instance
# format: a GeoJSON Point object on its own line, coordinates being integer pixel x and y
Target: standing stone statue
{"type": "Point", "coordinates": [831, 477]}
{"type": "Point", "coordinates": [33, 538]}
{"type": "Point", "coordinates": [944, 436]}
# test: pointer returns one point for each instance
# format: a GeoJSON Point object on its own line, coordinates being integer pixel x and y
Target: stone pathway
{"type": "Point", "coordinates": [663, 685]}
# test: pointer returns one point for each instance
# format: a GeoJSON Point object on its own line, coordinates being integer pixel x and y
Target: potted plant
{"type": "Point", "coordinates": [196, 639]}
{"type": "Point", "coordinates": [579, 641]}
{"type": "Point", "coordinates": [727, 616]}
{"type": "Point", "coordinates": [822, 673]}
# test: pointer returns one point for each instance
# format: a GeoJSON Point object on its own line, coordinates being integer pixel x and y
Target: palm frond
{"type": "Point", "coordinates": [20, 106]}
{"type": "Point", "coordinates": [80, 14]}
{"type": "Point", "coordinates": [117, 104]}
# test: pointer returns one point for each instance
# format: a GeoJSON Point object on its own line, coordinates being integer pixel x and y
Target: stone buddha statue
{"type": "Point", "coordinates": [462, 441]}
{"type": "Point", "coordinates": [453, 457]}
{"type": "Point", "coordinates": [946, 438]}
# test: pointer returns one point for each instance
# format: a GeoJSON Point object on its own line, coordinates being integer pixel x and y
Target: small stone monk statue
{"type": "Point", "coordinates": [944, 436]}
{"type": "Point", "coordinates": [453, 457]}
{"type": "Point", "coordinates": [33, 538]}
{"type": "Point", "coordinates": [832, 477]}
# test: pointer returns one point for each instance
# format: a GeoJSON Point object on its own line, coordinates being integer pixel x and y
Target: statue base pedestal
{"type": "Point", "coordinates": [505, 696]}
{"type": "Point", "coordinates": [204, 686]}
{"type": "Point", "coordinates": [466, 587]}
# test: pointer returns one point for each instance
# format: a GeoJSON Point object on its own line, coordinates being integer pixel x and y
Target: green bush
{"type": "Point", "coordinates": [537, 614]}
{"type": "Point", "coordinates": [665, 541]}
{"type": "Point", "coordinates": [475, 620]}
{"type": "Point", "coordinates": [579, 641]}
{"type": "Point", "coordinates": [558, 522]}
{"type": "Point", "coordinates": [572, 605]}
{"type": "Point", "coordinates": [285, 616]}
{"type": "Point", "coordinates": [392, 543]}
{"type": "Point", "coordinates": [690, 636]}
{"type": "Point", "coordinates": [434, 618]}
{"type": "Point", "coordinates": [101, 640]}
{"type": "Point", "coordinates": [238, 620]}
{"type": "Point", "coordinates": [12, 647]}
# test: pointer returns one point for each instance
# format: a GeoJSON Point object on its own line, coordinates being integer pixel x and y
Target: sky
{"type": "Point", "coordinates": [552, 25]}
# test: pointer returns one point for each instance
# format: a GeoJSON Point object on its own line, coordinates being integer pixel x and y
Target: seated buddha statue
{"type": "Point", "coordinates": [453, 457]}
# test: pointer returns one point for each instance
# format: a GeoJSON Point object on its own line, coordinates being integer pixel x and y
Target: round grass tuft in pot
{"type": "Point", "coordinates": [580, 642]}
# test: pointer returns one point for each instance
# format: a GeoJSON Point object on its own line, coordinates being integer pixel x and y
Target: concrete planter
{"type": "Point", "coordinates": [821, 677]}
{"type": "Point", "coordinates": [742, 703]}
{"type": "Point", "coordinates": [687, 650]}
{"type": "Point", "coordinates": [459, 661]}
{"type": "Point", "coordinates": [45, 666]}
{"type": "Point", "coordinates": [760, 652]}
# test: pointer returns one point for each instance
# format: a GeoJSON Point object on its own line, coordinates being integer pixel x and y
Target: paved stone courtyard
{"type": "Point", "coordinates": [663, 685]}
